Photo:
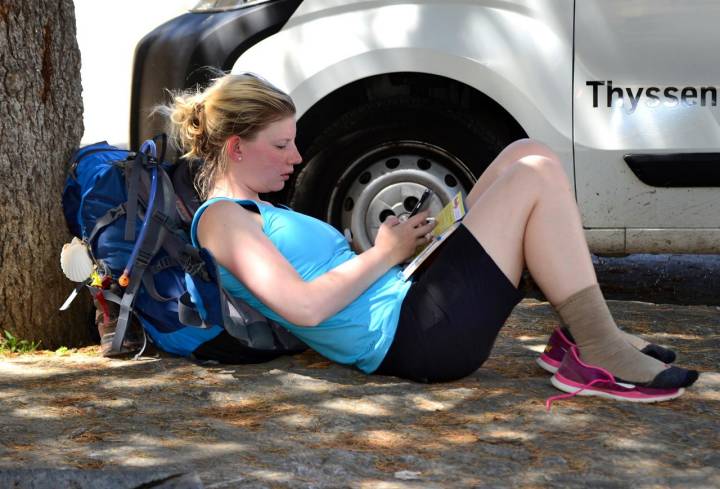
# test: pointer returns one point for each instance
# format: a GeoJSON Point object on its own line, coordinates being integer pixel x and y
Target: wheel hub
{"type": "Point", "coordinates": [388, 181]}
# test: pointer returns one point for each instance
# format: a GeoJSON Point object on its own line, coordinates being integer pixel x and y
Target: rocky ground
{"type": "Point", "coordinates": [302, 422]}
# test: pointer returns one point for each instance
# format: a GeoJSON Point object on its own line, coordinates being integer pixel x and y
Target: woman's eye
{"type": "Point", "coordinates": [283, 146]}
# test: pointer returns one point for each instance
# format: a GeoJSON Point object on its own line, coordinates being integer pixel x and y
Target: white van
{"type": "Point", "coordinates": [400, 95]}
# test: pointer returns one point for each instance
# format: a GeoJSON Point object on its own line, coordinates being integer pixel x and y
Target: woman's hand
{"type": "Point", "coordinates": [398, 240]}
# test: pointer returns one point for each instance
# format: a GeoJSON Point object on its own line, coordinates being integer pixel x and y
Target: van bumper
{"type": "Point", "coordinates": [177, 54]}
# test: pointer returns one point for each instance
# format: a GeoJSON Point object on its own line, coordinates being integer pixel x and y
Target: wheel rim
{"type": "Point", "coordinates": [388, 180]}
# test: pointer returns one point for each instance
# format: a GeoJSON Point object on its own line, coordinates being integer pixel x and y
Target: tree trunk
{"type": "Point", "coordinates": [40, 126]}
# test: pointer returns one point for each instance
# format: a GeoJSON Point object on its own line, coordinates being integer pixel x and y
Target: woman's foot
{"type": "Point", "coordinates": [601, 344]}
{"type": "Point", "coordinates": [629, 365]}
{"type": "Point", "coordinates": [580, 378]}
{"type": "Point", "coordinates": [665, 355]}
{"type": "Point", "coordinates": [561, 340]}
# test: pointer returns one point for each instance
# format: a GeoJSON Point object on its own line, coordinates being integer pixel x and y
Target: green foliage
{"type": "Point", "coordinates": [9, 343]}
{"type": "Point", "coordinates": [62, 351]}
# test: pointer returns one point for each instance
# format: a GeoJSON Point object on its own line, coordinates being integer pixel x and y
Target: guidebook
{"type": "Point", "coordinates": [448, 219]}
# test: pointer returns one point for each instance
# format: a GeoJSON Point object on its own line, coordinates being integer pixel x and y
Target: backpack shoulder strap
{"type": "Point", "coordinates": [133, 168]}
{"type": "Point", "coordinates": [151, 241]}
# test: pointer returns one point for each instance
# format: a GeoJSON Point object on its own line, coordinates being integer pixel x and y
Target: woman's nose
{"type": "Point", "coordinates": [296, 158]}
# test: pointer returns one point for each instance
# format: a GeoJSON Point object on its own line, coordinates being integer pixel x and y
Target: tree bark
{"type": "Point", "coordinates": [40, 126]}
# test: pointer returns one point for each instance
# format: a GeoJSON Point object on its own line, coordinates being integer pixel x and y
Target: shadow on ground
{"type": "Point", "coordinates": [300, 421]}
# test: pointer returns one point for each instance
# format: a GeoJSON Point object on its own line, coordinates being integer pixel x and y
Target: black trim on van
{"type": "Point", "coordinates": [174, 55]}
{"type": "Point", "coordinates": [676, 170]}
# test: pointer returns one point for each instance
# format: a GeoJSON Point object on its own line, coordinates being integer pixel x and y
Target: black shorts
{"type": "Point", "coordinates": [451, 315]}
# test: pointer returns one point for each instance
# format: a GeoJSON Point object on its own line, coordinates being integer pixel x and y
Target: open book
{"type": "Point", "coordinates": [448, 220]}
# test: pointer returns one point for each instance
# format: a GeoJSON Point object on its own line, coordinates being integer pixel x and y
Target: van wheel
{"type": "Point", "coordinates": [377, 160]}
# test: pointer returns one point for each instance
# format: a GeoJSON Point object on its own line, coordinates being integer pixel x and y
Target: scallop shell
{"type": "Point", "coordinates": [75, 261]}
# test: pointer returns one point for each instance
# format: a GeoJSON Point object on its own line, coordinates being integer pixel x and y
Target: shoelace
{"type": "Point", "coordinates": [567, 395]}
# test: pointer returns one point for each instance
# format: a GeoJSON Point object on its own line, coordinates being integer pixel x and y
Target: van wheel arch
{"type": "Point", "coordinates": [375, 159]}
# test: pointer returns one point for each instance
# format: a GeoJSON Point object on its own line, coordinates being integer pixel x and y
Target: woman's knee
{"type": "Point", "coordinates": [540, 170]}
{"type": "Point", "coordinates": [535, 158]}
{"type": "Point", "coordinates": [530, 147]}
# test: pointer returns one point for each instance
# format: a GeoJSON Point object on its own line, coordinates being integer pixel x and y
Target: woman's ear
{"type": "Point", "coordinates": [235, 148]}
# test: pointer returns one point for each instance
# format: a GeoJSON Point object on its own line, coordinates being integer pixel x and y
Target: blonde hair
{"type": "Point", "coordinates": [201, 122]}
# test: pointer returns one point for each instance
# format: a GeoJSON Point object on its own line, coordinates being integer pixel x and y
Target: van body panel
{"type": "Point", "coordinates": [479, 45]}
{"type": "Point", "coordinates": [638, 45]}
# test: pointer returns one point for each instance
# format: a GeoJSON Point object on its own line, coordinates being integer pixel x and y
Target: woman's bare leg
{"type": "Point", "coordinates": [507, 157]}
{"type": "Point", "coordinates": [524, 213]}
{"type": "Point", "coordinates": [510, 156]}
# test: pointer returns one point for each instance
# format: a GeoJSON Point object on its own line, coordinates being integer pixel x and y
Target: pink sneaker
{"type": "Point", "coordinates": [558, 345]}
{"type": "Point", "coordinates": [578, 378]}
{"type": "Point", "coordinates": [561, 341]}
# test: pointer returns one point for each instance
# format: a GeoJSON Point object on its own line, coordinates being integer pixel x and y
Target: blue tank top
{"type": "Point", "coordinates": [361, 333]}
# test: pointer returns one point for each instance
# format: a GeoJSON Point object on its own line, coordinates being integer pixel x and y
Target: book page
{"type": "Point", "coordinates": [448, 220]}
{"type": "Point", "coordinates": [449, 215]}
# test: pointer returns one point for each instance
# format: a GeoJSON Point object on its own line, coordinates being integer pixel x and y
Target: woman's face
{"type": "Point", "coordinates": [268, 160]}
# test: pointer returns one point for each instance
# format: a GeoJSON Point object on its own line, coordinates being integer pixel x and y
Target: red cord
{"type": "Point", "coordinates": [105, 309]}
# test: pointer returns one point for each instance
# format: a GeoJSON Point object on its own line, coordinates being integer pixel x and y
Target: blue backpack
{"type": "Point", "coordinates": [124, 207]}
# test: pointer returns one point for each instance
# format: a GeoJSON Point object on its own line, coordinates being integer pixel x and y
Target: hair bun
{"type": "Point", "coordinates": [198, 115]}
{"type": "Point", "coordinates": [188, 124]}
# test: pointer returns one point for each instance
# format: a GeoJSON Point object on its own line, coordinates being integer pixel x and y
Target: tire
{"type": "Point", "coordinates": [377, 159]}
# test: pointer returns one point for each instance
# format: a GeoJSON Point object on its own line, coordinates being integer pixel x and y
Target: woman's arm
{"type": "Point", "coordinates": [236, 240]}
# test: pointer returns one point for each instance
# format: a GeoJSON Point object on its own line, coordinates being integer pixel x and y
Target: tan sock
{"type": "Point", "coordinates": [600, 341]}
{"type": "Point", "coordinates": [635, 341]}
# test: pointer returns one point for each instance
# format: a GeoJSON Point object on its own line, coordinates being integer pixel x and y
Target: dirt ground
{"type": "Point", "coordinates": [303, 422]}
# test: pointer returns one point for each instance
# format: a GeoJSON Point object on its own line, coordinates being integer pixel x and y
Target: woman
{"type": "Point", "coordinates": [355, 309]}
